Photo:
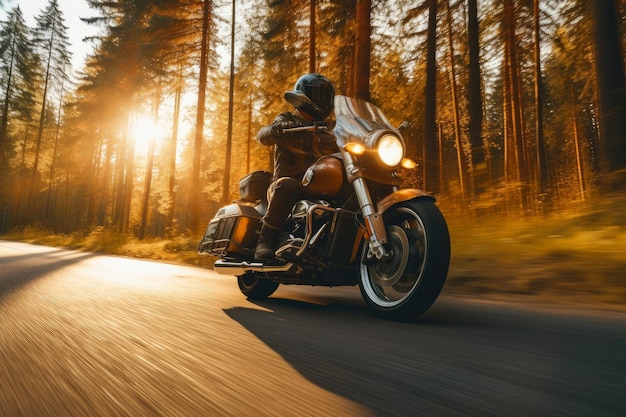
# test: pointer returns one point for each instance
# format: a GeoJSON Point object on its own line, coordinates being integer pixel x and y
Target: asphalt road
{"type": "Point", "coordinates": [83, 334]}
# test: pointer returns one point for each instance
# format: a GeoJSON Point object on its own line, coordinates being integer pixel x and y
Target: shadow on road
{"type": "Point", "coordinates": [440, 314]}
{"type": "Point", "coordinates": [20, 270]}
{"type": "Point", "coordinates": [457, 359]}
{"type": "Point", "coordinates": [5, 260]}
{"type": "Point", "coordinates": [343, 349]}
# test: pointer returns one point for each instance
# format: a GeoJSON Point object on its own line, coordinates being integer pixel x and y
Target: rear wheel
{"type": "Point", "coordinates": [256, 288]}
{"type": "Point", "coordinates": [408, 281]}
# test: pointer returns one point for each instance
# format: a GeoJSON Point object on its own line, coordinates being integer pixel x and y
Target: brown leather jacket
{"type": "Point", "coordinates": [295, 152]}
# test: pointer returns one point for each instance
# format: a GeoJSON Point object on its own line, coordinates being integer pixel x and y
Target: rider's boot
{"type": "Point", "coordinates": [266, 245]}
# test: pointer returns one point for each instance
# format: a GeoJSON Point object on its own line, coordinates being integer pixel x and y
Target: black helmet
{"type": "Point", "coordinates": [312, 94]}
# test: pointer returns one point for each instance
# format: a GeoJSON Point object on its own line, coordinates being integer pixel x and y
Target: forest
{"type": "Point", "coordinates": [517, 109]}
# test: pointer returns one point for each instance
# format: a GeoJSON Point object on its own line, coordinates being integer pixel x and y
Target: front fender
{"type": "Point", "coordinates": [399, 196]}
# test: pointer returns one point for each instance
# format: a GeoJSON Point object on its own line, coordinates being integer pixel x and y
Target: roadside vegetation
{"type": "Point", "coordinates": [577, 257]}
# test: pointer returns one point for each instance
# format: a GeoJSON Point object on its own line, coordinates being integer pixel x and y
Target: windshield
{"type": "Point", "coordinates": [356, 118]}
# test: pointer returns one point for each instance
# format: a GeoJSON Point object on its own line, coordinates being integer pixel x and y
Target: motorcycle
{"type": "Point", "coordinates": [363, 229]}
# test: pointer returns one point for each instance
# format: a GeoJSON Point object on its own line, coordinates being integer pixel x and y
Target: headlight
{"type": "Point", "coordinates": [390, 150]}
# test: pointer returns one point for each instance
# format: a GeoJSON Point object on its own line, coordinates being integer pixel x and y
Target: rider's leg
{"type": "Point", "coordinates": [282, 195]}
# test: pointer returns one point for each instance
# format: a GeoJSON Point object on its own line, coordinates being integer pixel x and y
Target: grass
{"type": "Point", "coordinates": [572, 258]}
{"type": "Point", "coordinates": [180, 249]}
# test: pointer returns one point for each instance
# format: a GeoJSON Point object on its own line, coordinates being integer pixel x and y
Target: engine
{"type": "Point", "coordinates": [320, 234]}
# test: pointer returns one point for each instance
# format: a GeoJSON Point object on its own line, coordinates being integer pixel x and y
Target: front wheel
{"type": "Point", "coordinates": [408, 281]}
{"type": "Point", "coordinates": [256, 288]}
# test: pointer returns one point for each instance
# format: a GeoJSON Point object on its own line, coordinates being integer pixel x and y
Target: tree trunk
{"type": "Point", "coordinates": [48, 217]}
{"type": "Point", "coordinates": [475, 103]}
{"type": "Point", "coordinates": [92, 182]}
{"type": "Point", "coordinates": [506, 131]}
{"type": "Point", "coordinates": [129, 179]}
{"type": "Point", "coordinates": [460, 157]}
{"type": "Point", "coordinates": [231, 103]}
{"type": "Point", "coordinates": [542, 162]}
{"type": "Point", "coordinates": [514, 98]}
{"type": "Point", "coordinates": [611, 88]}
{"type": "Point", "coordinates": [5, 107]}
{"type": "Point", "coordinates": [579, 158]}
{"type": "Point", "coordinates": [42, 114]}
{"type": "Point", "coordinates": [173, 145]}
{"type": "Point", "coordinates": [312, 39]}
{"type": "Point", "coordinates": [32, 193]}
{"type": "Point", "coordinates": [362, 50]}
{"type": "Point", "coordinates": [17, 204]}
{"type": "Point", "coordinates": [120, 169]}
{"type": "Point", "coordinates": [195, 191]}
{"type": "Point", "coordinates": [249, 134]}
{"type": "Point", "coordinates": [103, 207]}
{"type": "Point", "coordinates": [149, 167]}
{"type": "Point", "coordinates": [431, 157]}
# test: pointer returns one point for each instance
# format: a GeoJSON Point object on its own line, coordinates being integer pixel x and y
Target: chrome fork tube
{"type": "Point", "coordinates": [373, 221]}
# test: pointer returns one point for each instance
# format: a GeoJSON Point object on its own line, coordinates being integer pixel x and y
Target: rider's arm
{"type": "Point", "coordinates": [271, 134]}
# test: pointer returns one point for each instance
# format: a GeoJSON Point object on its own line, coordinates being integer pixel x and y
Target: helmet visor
{"type": "Point", "coordinates": [319, 95]}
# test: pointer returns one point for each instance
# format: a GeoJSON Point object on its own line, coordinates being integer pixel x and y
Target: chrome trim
{"type": "Point", "coordinates": [309, 239]}
{"type": "Point", "coordinates": [239, 268]}
{"type": "Point", "coordinates": [319, 233]}
{"type": "Point", "coordinates": [372, 218]}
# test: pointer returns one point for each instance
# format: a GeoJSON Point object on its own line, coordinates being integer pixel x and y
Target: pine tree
{"type": "Point", "coordinates": [17, 70]}
{"type": "Point", "coordinates": [194, 194]}
{"type": "Point", "coordinates": [172, 48]}
{"type": "Point", "coordinates": [51, 40]}
{"type": "Point", "coordinates": [120, 75]}
{"type": "Point", "coordinates": [337, 34]}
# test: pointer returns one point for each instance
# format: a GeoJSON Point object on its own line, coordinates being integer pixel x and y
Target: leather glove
{"type": "Point", "coordinates": [278, 128]}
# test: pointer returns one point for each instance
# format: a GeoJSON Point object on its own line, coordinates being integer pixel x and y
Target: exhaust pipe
{"type": "Point", "coordinates": [239, 268]}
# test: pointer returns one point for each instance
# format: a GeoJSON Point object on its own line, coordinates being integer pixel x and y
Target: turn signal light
{"type": "Point", "coordinates": [355, 148]}
{"type": "Point", "coordinates": [408, 163]}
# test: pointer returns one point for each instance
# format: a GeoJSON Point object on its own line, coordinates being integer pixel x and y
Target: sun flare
{"type": "Point", "coordinates": [143, 130]}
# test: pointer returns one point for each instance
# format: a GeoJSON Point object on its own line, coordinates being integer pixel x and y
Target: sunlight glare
{"type": "Point", "coordinates": [142, 131]}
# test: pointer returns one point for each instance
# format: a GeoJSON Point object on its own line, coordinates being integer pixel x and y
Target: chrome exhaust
{"type": "Point", "coordinates": [240, 268]}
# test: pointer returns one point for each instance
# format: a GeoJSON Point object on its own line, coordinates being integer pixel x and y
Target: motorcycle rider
{"type": "Point", "coordinates": [313, 100]}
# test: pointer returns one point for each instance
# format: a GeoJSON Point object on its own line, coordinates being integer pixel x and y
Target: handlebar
{"type": "Point", "coordinates": [312, 128]}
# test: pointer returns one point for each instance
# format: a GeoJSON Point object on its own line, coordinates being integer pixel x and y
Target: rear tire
{"type": "Point", "coordinates": [256, 288]}
{"type": "Point", "coordinates": [407, 283]}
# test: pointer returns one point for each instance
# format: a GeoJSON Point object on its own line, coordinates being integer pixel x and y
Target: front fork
{"type": "Point", "coordinates": [374, 224]}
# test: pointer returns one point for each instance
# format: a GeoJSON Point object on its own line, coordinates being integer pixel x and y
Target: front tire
{"type": "Point", "coordinates": [256, 288]}
{"type": "Point", "coordinates": [405, 284]}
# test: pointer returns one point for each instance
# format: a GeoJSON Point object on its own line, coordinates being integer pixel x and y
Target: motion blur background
{"type": "Point", "coordinates": [121, 141]}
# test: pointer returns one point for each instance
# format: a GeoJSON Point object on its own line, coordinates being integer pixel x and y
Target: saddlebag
{"type": "Point", "coordinates": [232, 232]}
{"type": "Point", "coordinates": [253, 187]}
